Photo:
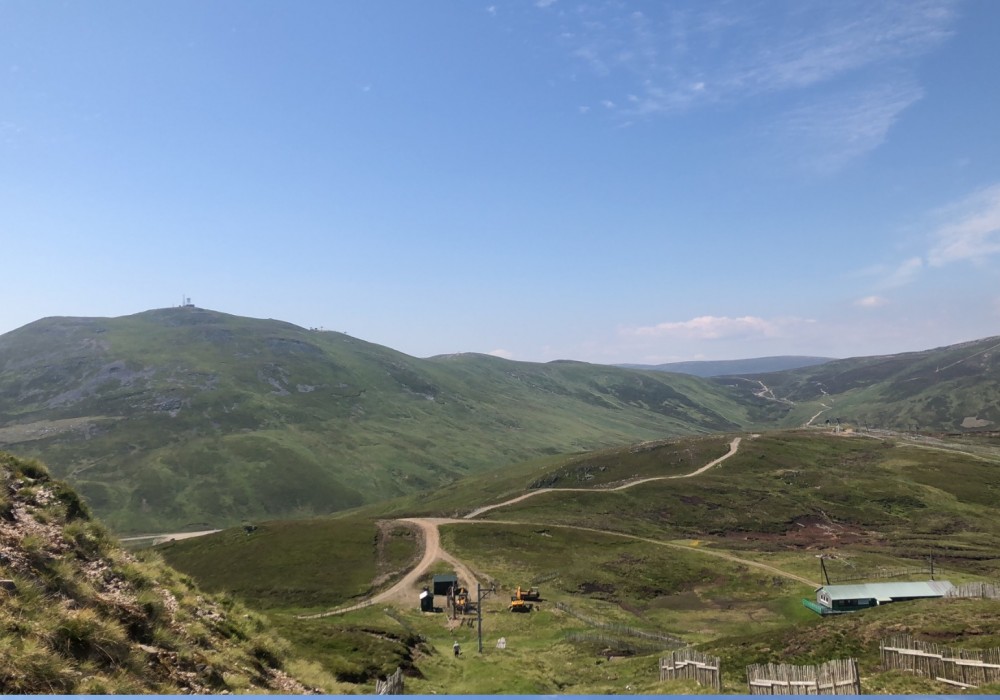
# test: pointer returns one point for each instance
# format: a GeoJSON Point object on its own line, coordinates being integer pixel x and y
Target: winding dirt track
{"type": "Point", "coordinates": [164, 537]}
{"type": "Point", "coordinates": [403, 588]}
{"type": "Point", "coordinates": [432, 542]}
{"type": "Point", "coordinates": [710, 552]}
{"type": "Point", "coordinates": [733, 446]}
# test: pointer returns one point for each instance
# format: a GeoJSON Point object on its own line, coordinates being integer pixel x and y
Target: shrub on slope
{"type": "Point", "coordinates": [81, 615]}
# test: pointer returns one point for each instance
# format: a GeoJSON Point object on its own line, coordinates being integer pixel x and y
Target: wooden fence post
{"type": "Point", "coordinates": [687, 663]}
{"type": "Point", "coordinates": [393, 685]}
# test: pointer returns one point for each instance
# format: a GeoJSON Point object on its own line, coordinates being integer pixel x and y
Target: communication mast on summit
{"type": "Point", "coordinates": [186, 302]}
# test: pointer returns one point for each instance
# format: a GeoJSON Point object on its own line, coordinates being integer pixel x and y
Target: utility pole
{"type": "Point", "coordinates": [822, 565]}
{"type": "Point", "coordinates": [479, 613]}
{"type": "Point", "coordinates": [479, 609]}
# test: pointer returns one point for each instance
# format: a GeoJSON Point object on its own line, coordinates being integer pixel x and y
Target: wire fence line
{"type": "Point", "coordinates": [623, 630]}
{"type": "Point", "coordinates": [613, 644]}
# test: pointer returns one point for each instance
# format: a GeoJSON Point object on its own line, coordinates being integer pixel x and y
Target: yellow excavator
{"type": "Point", "coordinates": [529, 593]}
{"type": "Point", "coordinates": [519, 601]}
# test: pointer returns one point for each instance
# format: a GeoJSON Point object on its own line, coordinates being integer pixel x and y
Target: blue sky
{"type": "Point", "coordinates": [601, 181]}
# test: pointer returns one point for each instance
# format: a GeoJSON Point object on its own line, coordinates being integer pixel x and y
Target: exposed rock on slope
{"type": "Point", "coordinates": [81, 615]}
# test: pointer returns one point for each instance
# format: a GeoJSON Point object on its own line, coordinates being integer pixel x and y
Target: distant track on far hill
{"type": "Point", "coordinates": [733, 447]}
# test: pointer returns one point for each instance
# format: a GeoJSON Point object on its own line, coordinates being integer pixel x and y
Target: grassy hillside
{"type": "Point", "coordinates": [181, 417]}
{"type": "Point", "coordinates": [299, 564]}
{"type": "Point", "coordinates": [585, 469]}
{"type": "Point", "coordinates": [80, 615]}
{"type": "Point", "coordinates": [950, 389]}
{"type": "Point", "coordinates": [709, 560]}
{"type": "Point", "coordinates": [807, 489]}
{"type": "Point", "coordinates": [784, 490]}
{"type": "Point", "coordinates": [187, 418]}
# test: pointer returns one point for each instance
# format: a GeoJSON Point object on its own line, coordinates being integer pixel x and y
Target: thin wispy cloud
{"type": "Point", "coordinates": [901, 274]}
{"type": "Point", "coordinates": [505, 354]}
{"type": "Point", "coordinates": [824, 40]}
{"type": "Point", "coordinates": [971, 231]}
{"type": "Point", "coordinates": [965, 231]}
{"type": "Point", "coordinates": [871, 302]}
{"type": "Point", "coordinates": [731, 51]}
{"type": "Point", "coordinates": [707, 328]}
{"type": "Point", "coordinates": [829, 133]}
{"type": "Point", "coordinates": [675, 58]}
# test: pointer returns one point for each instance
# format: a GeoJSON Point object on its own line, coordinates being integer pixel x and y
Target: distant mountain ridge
{"type": "Point", "coordinates": [179, 416]}
{"type": "Point", "coordinates": [184, 418]}
{"type": "Point", "coordinates": [954, 388]}
{"type": "Point", "coordinates": [718, 368]}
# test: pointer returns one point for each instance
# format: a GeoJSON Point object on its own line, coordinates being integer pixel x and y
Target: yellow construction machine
{"type": "Point", "coordinates": [463, 602]}
{"type": "Point", "coordinates": [519, 601]}
{"type": "Point", "coordinates": [528, 593]}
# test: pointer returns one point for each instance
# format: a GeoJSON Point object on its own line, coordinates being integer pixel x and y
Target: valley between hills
{"type": "Point", "coordinates": [715, 550]}
{"type": "Point", "coordinates": [652, 510]}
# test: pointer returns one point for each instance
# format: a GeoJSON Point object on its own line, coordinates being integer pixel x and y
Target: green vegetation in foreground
{"type": "Point", "coordinates": [968, 624]}
{"type": "Point", "coordinates": [83, 616]}
{"type": "Point", "coordinates": [745, 619]}
{"type": "Point", "coordinates": [763, 505]}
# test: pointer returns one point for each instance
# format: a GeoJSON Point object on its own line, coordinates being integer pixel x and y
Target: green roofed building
{"type": "Point", "coordinates": [444, 582]}
{"type": "Point", "coordinates": [831, 600]}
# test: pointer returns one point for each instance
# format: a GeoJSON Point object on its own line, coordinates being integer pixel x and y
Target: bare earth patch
{"type": "Point", "coordinates": [807, 532]}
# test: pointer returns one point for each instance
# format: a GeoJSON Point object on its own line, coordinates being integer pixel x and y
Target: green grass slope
{"type": "Point", "coordinates": [709, 560]}
{"type": "Point", "coordinates": [81, 615]}
{"type": "Point", "coordinates": [179, 417]}
{"type": "Point", "coordinates": [298, 564]}
{"type": "Point", "coordinates": [949, 389]}
{"type": "Point", "coordinates": [807, 489]}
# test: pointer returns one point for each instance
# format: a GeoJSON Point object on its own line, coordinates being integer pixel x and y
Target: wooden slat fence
{"type": "Point", "coordinates": [965, 668]}
{"type": "Point", "coordinates": [688, 663]}
{"type": "Point", "coordinates": [393, 685]}
{"type": "Point", "coordinates": [837, 677]}
{"type": "Point", "coordinates": [979, 589]}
